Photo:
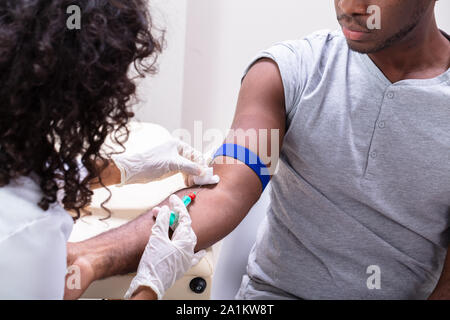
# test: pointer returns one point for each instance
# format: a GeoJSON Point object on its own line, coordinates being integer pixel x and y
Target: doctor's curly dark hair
{"type": "Point", "coordinates": [63, 91]}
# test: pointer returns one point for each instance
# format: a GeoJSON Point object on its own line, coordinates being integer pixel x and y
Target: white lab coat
{"type": "Point", "coordinates": [32, 243]}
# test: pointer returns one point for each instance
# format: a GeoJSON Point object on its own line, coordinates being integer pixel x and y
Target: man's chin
{"type": "Point", "coordinates": [363, 47]}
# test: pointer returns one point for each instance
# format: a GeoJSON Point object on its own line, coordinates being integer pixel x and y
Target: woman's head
{"type": "Point", "coordinates": [62, 92]}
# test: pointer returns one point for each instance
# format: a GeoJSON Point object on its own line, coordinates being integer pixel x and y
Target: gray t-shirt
{"type": "Point", "coordinates": [360, 206]}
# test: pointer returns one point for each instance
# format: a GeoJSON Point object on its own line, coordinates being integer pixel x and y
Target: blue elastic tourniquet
{"type": "Point", "coordinates": [249, 158]}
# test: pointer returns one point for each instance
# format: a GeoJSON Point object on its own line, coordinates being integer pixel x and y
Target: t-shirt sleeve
{"type": "Point", "coordinates": [292, 59]}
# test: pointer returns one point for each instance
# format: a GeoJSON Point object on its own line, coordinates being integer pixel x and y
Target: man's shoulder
{"type": "Point", "coordinates": [318, 41]}
{"type": "Point", "coordinates": [320, 46]}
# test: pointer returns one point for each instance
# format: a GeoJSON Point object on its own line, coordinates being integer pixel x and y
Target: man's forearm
{"type": "Point", "coordinates": [442, 291]}
{"type": "Point", "coordinates": [218, 209]}
{"type": "Point", "coordinates": [215, 213]}
{"type": "Point", "coordinates": [115, 252]}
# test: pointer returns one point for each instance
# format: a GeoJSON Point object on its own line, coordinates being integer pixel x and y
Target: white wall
{"type": "Point", "coordinates": [210, 42]}
{"type": "Point", "coordinates": [222, 37]}
{"type": "Point", "coordinates": [162, 94]}
{"type": "Point", "coordinates": [443, 15]}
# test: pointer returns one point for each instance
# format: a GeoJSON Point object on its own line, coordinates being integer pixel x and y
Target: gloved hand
{"type": "Point", "coordinates": [160, 162]}
{"type": "Point", "coordinates": [208, 177]}
{"type": "Point", "coordinates": [164, 260]}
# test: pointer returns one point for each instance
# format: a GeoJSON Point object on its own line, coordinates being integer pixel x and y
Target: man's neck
{"type": "Point", "coordinates": [423, 54]}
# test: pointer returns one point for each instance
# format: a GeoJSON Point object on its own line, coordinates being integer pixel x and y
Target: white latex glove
{"type": "Point", "coordinates": [160, 162]}
{"type": "Point", "coordinates": [164, 260]}
{"type": "Point", "coordinates": [207, 178]}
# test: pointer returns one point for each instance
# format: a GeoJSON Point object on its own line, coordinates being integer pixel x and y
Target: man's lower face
{"type": "Point", "coordinates": [393, 31]}
{"type": "Point", "coordinates": [365, 42]}
{"type": "Point", "coordinates": [377, 40]}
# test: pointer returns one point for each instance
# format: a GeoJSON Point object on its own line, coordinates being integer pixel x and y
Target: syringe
{"type": "Point", "coordinates": [187, 200]}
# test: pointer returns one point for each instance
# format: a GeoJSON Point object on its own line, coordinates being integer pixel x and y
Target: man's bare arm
{"type": "Point", "coordinates": [442, 291]}
{"type": "Point", "coordinates": [218, 209]}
